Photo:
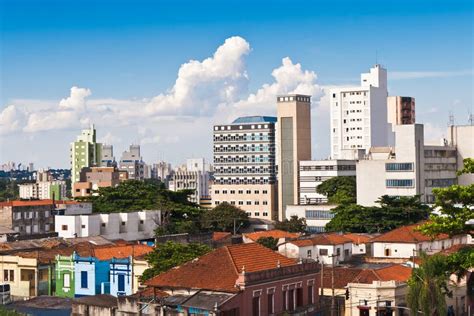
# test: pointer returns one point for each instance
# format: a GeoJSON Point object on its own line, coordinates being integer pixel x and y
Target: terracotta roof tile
{"type": "Point", "coordinates": [219, 269]}
{"type": "Point", "coordinates": [121, 251]}
{"type": "Point", "coordinates": [406, 234]}
{"type": "Point", "coordinates": [216, 236]}
{"type": "Point", "coordinates": [342, 276]}
{"type": "Point", "coordinates": [270, 233]}
{"type": "Point", "coordinates": [358, 238]}
{"type": "Point", "coordinates": [396, 272]}
{"type": "Point", "coordinates": [322, 239]}
{"type": "Point", "coordinates": [36, 202]}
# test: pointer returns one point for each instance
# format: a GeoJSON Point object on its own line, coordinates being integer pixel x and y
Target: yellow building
{"type": "Point", "coordinates": [139, 266]}
{"type": "Point", "coordinates": [22, 275]}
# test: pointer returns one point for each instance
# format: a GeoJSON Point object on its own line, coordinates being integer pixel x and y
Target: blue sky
{"type": "Point", "coordinates": [131, 51]}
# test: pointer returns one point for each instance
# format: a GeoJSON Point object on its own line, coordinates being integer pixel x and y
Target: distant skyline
{"type": "Point", "coordinates": [161, 73]}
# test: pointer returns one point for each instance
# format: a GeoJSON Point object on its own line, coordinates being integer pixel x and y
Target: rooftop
{"type": "Point", "coordinates": [322, 239]}
{"type": "Point", "coordinates": [277, 234]}
{"type": "Point", "coordinates": [254, 119]}
{"type": "Point", "coordinates": [36, 202]}
{"type": "Point", "coordinates": [121, 251]}
{"type": "Point", "coordinates": [219, 269]}
{"type": "Point", "coordinates": [406, 234]}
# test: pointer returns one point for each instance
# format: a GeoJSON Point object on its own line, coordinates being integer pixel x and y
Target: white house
{"type": "Point", "coordinates": [406, 242]}
{"type": "Point", "coordinates": [128, 226]}
{"type": "Point", "coordinates": [321, 247]}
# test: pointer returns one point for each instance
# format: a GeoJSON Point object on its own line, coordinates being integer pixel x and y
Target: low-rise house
{"type": "Point", "coordinates": [280, 235]}
{"type": "Point", "coordinates": [245, 279]}
{"type": "Point", "coordinates": [65, 282]}
{"type": "Point", "coordinates": [129, 226]}
{"type": "Point", "coordinates": [326, 248]}
{"type": "Point", "coordinates": [406, 242]}
{"type": "Point", "coordinates": [103, 305]}
{"type": "Point", "coordinates": [359, 243]}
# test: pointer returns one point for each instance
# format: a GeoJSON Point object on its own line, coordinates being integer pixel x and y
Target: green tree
{"type": "Point", "coordinates": [171, 254]}
{"type": "Point", "coordinates": [393, 212]}
{"type": "Point", "coordinates": [269, 242]}
{"type": "Point", "coordinates": [427, 286]}
{"type": "Point", "coordinates": [223, 217]}
{"type": "Point", "coordinates": [339, 190]}
{"type": "Point", "coordinates": [293, 225]}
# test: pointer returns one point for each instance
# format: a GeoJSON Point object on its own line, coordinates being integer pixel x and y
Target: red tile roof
{"type": "Point", "coordinates": [36, 202]}
{"type": "Point", "coordinates": [406, 234]}
{"type": "Point", "coordinates": [357, 238]}
{"type": "Point", "coordinates": [216, 236]}
{"type": "Point", "coordinates": [270, 233]}
{"type": "Point", "coordinates": [342, 276]}
{"type": "Point", "coordinates": [121, 251]}
{"type": "Point", "coordinates": [394, 272]}
{"type": "Point", "coordinates": [455, 248]}
{"type": "Point", "coordinates": [323, 239]}
{"type": "Point", "coordinates": [219, 269]}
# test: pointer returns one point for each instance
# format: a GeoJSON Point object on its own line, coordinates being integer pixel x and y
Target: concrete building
{"type": "Point", "coordinates": [85, 152]}
{"type": "Point", "coordinates": [316, 215]}
{"type": "Point", "coordinates": [400, 110]}
{"type": "Point", "coordinates": [128, 226]}
{"type": "Point", "coordinates": [314, 172]}
{"type": "Point", "coordinates": [43, 190]}
{"type": "Point", "coordinates": [462, 137]}
{"type": "Point", "coordinates": [294, 145]}
{"type": "Point", "coordinates": [30, 219]}
{"type": "Point", "coordinates": [194, 176]}
{"type": "Point", "coordinates": [359, 115]}
{"type": "Point", "coordinates": [91, 179]}
{"type": "Point", "coordinates": [245, 166]}
{"type": "Point", "coordinates": [132, 162]}
{"type": "Point", "coordinates": [161, 171]}
{"type": "Point", "coordinates": [108, 159]}
{"type": "Point", "coordinates": [410, 168]}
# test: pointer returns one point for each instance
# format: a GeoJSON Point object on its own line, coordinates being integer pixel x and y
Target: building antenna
{"type": "Point", "coordinates": [470, 119]}
{"type": "Point", "coordinates": [451, 118]}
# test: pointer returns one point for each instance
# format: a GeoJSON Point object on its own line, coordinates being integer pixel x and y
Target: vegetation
{"type": "Point", "coordinates": [9, 189]}
{"type": "Point", "coordinates": [428, 286]}
{"type": "Point", "coordinates": [269, 242]}
{"type": "Point", "coordinates": [393, 212]}
{"type": "Point", "coordinates": [9, 312]}
{"type": "Point", "coordinates": [224, 218]}
{"type": "Point", "coordinates": [169, 255]}
{"type": "Point", "coordinates": [293, 225]}
{"type": "Point", "coordinates": [339, 190]}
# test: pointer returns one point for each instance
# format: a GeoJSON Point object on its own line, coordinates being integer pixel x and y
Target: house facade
{"type": "Point", "coordinates": [65, 283]}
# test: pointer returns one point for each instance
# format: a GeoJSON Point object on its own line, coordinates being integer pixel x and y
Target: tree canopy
{"type": "Point", "coordinates": [393, 212]}
{"type": "Point", "coordinates": [339, 190]}
{"type": "Point", "coordinates": [292, 225]}
{"type": "Point", "coordinates": [171, 254]}
{"type": "Point", "coordinates": [269, 242]}
{"type": "Point", "coordinates": [221, 218]}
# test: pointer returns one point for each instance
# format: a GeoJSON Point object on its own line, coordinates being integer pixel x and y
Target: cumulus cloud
{"type": "Point", "coordinates": [11, 119]}
{"type": "Point", "coordinates": [76, 100]}
{"type": "Point", "coordinates": [109, 138]}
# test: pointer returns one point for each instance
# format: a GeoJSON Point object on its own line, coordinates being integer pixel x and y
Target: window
{"type": "Point", "coordinates": [123, 223]}
{"type": "Point", "coordinates": [216, 191]}
{"type": "Point", "coordinates": [265, 213]}
{"type": "Point", "coordinates": [310, 294]}
{"type": "Point", "coordinates": [121, 282]}
{"type": "Point", "coordinates": [264, 191]}
{"type": "Point", "coordinates": [103, 225]}
{"type": "Point", "coordinates": [141, 222]}
{"type": "Point", "coordinates": [83, 226]}
{"type": "Point", "coordinates": [67, 280]}
{"type": "Point", "coordinates": [257, 213]}
{"type": "Point", "coordinates": [265, 202]}
{"type": "Point", "coordinates": [397, 183]}
{"type": "Point", "coordinates": [299, 296]}
{"type": "Point", "coordinates": [9, 275]}
{"type": "Point", "coordinates": [308, 253]}
{"type": "Point", "coordinates": [271, 303]}
{"type": "Point", "coordinates": [399, 166]}
{"type": "Point", "coordinates": [256, 306]}
{"type": "Point", "coordinates": [84, 280]}
{"type": "Point", "coordinates": [257, 192]}
{"type": "Point", "coordinates": [291, 300]}
{"type": "Point", "coordinates": [338, 251]}
{"type": "Point", "coordinates": [285, 300]}
{"type": "Point", "coordinates": [64, 227]}
{"type": "Point", "coordinates": [323, 252]}
{"type": "Point", "coordinates": [318, 214]}
{"type": "Point", "coordinates": [249, 203]}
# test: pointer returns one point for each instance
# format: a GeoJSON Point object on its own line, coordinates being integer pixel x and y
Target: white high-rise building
{"type": "Point", "coordinates": [359, 116]}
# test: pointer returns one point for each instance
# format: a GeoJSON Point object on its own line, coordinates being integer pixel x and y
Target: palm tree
{"type": "Point", "coordinates": [427, 286]}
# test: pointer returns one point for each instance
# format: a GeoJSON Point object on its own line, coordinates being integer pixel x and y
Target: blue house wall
{"type": "Point", "coordinates": [120, 277]}
{"type": "Point", "coordinates": [91, 276]}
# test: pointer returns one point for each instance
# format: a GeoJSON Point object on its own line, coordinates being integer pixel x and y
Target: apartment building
{"type": "Point", "coordinates": [93, 178]}
{"type": "Point", "coordinates": [359, 115]}
{"type": "Point", "coordinates": [314, 172]}
{"type": "Point", "coordinates": [245, 166]}
{"type": "Point", "coordinates": [294, 145]}
{"type": "Point", "coordinates": [316, 215]}
{"type": "Point", "coordinates": [400, 110]}
{"type": "Point", "coordinates": [43, 190]}
{"type": "Point", "coordinates": [410, 168]}
{"type": "Point", "coordinates": [462, 137]}
{"type": "Point", "coordinates": [132, 163]}
{"type": "Point", "coordinates": [85, 152]}
{"type": "Point", "coordinates": [108, 159]}
{"type": "Point", "coordinates": [194, 176]}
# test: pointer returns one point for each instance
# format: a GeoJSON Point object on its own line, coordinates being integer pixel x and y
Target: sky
{"type": "Point", "coordinates": [161, 73]}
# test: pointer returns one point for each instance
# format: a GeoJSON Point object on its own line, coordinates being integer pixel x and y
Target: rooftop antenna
{"type": "Point", "coordinates": [470, 119]}
{"type": "Point", "coordinates": [451, 118]}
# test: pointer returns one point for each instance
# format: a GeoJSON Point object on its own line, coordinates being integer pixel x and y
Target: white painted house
{"type": "Point", "coordinates": [406, 242]}
{"type": "Point", "coordinates": [128, 226]}
{"type": "Point", "coordinates": [321, 248]}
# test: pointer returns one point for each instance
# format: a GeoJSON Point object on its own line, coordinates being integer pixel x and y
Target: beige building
{"type": "Point", "coordinates": [294, 145]}
{"type": "Point", "coordinates": [91, 179]}
{"type": "Point", "coordinates": [244, 166]}
{"type": "Point", "coordinates": [462, 137]}
{"type": "Point", "coordinates": [400, 110]}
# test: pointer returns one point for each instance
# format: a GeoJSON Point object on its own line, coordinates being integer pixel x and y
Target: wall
{"type": "Point", "coordinates": [20, 288]}
{"type": "Point", "coordinates": [117, 268]}
{"type": "Point", "coordinates": [64, 265]}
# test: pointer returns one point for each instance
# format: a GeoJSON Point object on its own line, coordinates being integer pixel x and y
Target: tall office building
{"type": "Point", "coordinates": [108, 159]}
{"type": "Point", "coordinates": [132, 162]}
{"type": "Point", "coordinates": [244, 166]}
{"type": "Point", "coordinates": [194, 176]}
{"type": "Point", "coordinates": [294, 145]}
{"type": "Point", "coordinates": [85, 152]}
{"type": "Point", "coordinates": [359, 116]}
{"type": "Point", "coordinates": [400, 110]}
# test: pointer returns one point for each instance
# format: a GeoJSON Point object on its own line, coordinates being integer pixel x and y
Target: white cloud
{"type": "Point", "coordinates": [11, 119]}
{"type": "Point", "coordinates": [76, 100]}
{"type": "Point", "coordinates": [109, 139]}
{"type": "Point", "coordinates": [398, 75]}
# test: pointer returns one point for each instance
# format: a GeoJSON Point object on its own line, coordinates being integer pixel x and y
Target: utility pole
{"type": "Point", "coordinates": [333, 298]}
{"type": "Point", "coordinates": [322, 284]}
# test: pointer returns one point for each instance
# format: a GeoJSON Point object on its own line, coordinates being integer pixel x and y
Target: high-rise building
{"type": "Point", "coordinates": [85, 152]}
{"type": "Point", "coordinates": [245, 166]}
{"type": "Point", "coordinates": [92, 179]}
{"type": "Point", "coordinates": [108, 159]}
{"type": "Point", "coordinates": [294, 145]}
{"type": "Point", "coordinates": [194, 176]}
{"type": "Point", "coordinates": [359, 115]}
{"type": "Point", "coordinates": [400, 110]}
{"type": "Point", "coordinates": [161, 171]}
{"type": "Point", "coordinates": [132, 162]}
{"type": "Point", "coordinates": [461, 136]}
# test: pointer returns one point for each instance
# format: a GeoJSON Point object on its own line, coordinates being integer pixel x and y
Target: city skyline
{"type": "Point", "coordinates": [65, 67]}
